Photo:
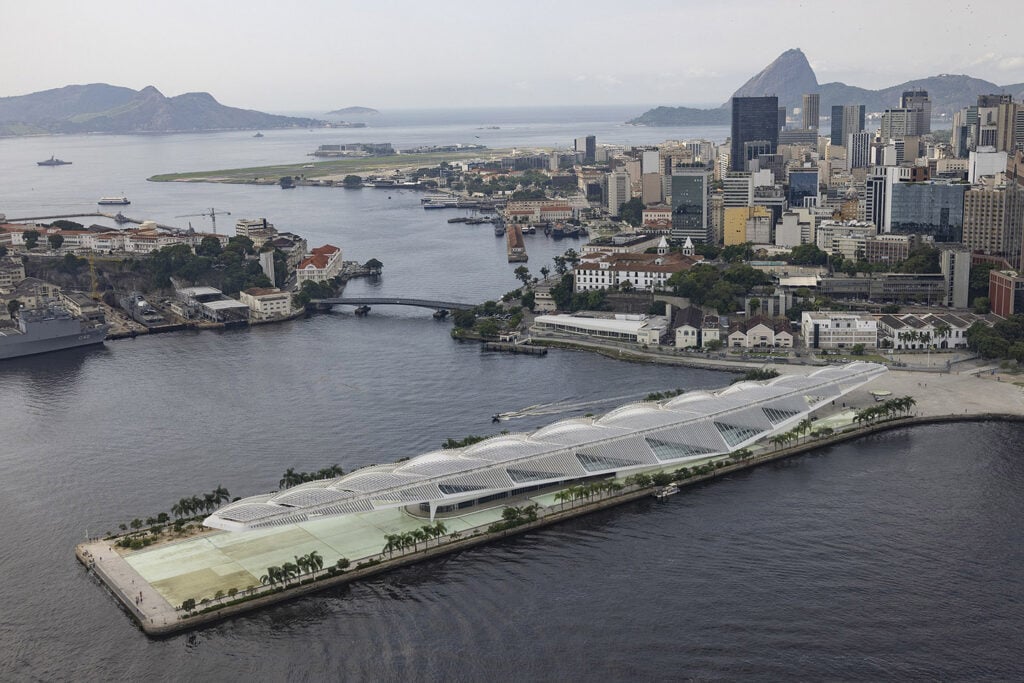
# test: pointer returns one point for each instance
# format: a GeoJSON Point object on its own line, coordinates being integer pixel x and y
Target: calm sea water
{"type": "Point", "coordinates": [895, 557]}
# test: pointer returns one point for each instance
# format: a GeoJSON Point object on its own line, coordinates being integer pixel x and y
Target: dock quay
{"type": "Point", "coordinates": [508, 347]}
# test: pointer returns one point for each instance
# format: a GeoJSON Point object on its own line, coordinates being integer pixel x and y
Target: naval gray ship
{"type": "Point", "coordinates": [48, 329]}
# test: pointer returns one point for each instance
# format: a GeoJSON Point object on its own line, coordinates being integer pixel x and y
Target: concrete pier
{"type": "Point", "coordinates": [166, 574]}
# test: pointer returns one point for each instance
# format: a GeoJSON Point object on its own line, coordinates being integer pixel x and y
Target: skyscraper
{"type": "Point", "coordinates": [846, 119]}
{"type": "Point", "coordinates": [588, 147]}
{"type": "Point", "coordinates": [919, 102]}
{"type": "Point", "coordinates": [858, 150]}
{"type": "Point", "coordinates": [690, 186]}
{"type": "Point", "coordinates": [753, 119]}
{"type": "Point", "coordinates": [810, 111]}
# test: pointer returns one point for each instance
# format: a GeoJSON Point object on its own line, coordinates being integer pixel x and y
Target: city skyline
{"type": "Point", "coordinates": [400, 55]}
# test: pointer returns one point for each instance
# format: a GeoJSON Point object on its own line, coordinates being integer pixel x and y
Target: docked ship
{"type": "Point", "coordinates": [53, 161]}
{"type": "Point", "coordinates": [115, 201]}
{"type": "Point", "coordinates": [43, 330]}
{"type": "Point", "coordinates": [141, 311]}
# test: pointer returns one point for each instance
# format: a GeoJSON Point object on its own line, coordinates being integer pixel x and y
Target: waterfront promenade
{"type": "Point", "coordinates": [167, 574]}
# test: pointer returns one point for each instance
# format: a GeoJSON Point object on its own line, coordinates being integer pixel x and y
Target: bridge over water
{"type": "Point", "coordinates": [391, 301]}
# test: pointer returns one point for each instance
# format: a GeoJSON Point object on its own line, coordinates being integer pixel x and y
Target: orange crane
{"type": "Point", "coordinates": [211, 214]}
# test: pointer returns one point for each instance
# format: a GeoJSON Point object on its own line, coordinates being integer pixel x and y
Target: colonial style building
{"type": "Point", "coordinates": [938, 331]}
{"type": "Point", "coordinates": [643, 271]}
{"type": "Point", "coordinates": [759, 332]}
{"type": "Point", "coordinates": [321, 265]}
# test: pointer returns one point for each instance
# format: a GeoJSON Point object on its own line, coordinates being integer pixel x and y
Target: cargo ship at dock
{"type": "Point", "coordinates": [48, 329]}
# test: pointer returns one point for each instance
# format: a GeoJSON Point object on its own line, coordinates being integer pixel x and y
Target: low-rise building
{"type": "Point", "coordinates": [638, 329]}
{"type": "Point", "coordinates": [267, 302]}
{"type": "Point", "coordinates": [928, 331]}
{"type": "Point", "coordinates": [759, 332]}
{"type": "Point", "coordinates": [838, 329]}
{"type": "Point", "coordinates": [321, 265]}
{"type": "Point", "coordinates": [629, 242]}
{"type": "Point", "coordinates": [81, 305]}
{"type": "Point", "coordinates": [1006, 292]}
{"type": "Point", "coordinates": [12, 271]}
{"type": "Point", "coordinates": [687, 325]}
{"type": "Point", "coordinates": [643, 271]}
{"type": "Point", "coordinates": [656, 215]}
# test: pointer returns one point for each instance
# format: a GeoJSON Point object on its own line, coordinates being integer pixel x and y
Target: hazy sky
{"type": "Point", "coordinates": [313, 55]}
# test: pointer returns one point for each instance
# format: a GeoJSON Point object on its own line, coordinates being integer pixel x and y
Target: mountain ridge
{"type": "Point", "coordinates": [104, 108]}
{"type": "Point", "coordinates": [790, 76]}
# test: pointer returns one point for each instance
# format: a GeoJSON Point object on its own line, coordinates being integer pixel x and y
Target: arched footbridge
{"type": "Point", "coordinates": [391, 301]}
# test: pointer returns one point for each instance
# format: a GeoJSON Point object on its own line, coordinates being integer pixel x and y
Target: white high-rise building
{"type": "Point", "coordinates": [617, 191]}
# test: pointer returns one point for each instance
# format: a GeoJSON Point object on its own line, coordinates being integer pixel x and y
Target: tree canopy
{"type": "Point", "coordinates": [632, 211]}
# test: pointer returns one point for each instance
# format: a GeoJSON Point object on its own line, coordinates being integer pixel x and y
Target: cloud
{"type": "Point", "coordinates": [991, 60]}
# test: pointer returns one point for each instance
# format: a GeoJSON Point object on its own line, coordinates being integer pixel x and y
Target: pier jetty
{"type": "Point", "coordinates": [189, 582]}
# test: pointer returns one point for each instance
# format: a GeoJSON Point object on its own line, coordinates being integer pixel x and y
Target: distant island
{"type": "Point", "coordinates": [353, 111]}
{"type": "Point", "coordinates": [103, 108]}
{"type": "Point", "coordinates": [790, 76]}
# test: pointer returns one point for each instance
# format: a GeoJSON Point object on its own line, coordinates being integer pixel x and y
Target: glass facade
{"type": "Point", "coordinates": [753, 118]}
{"type": "Point", "coordinates": [935, 209]}
{"type": "Point", "coordinates": [690, 205]}
{"type": "Point", "coordinates": [802, 184]}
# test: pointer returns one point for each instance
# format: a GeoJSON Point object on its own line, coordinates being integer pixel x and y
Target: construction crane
{"type": "Point", "coordinates": [211, 214]}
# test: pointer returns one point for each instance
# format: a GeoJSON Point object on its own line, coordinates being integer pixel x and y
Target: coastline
{"type": "Point", "coordinates": [115, 581]}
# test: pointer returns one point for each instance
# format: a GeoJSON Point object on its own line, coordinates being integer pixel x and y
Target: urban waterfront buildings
{"type": "Point", "coordinates": [636, 437]}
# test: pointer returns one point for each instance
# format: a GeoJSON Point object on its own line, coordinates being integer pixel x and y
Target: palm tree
{"type": "Point", "coordinates": [221, 494]}
{"type": "Point", "coordinates": [316, 561]}
{"type": "Point", "coordinates": [178, 510]}
{"type": "Point", "coordinates": [209, 502]}
{"type": "Point", "coordinates": [302, 563]}
{"type": "Point", "coordinates": [289, 569]}
{"type": "Point", "coordinates": [288, 479]}
{"type": "Point", "coordinates": [391, 545]}
{"type": "Point", "coordinates": [197, 503]}
{"type": "Point", "coordinates": [909, 402]}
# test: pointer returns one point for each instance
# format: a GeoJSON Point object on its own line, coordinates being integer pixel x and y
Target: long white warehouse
{"type": "Point", "coordinates": [632, 438]}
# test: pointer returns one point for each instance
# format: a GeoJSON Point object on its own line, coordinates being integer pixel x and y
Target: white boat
{"type": "Point", "coordinates": [117, 201]}
{"type": "Point", "coordinates": [666, 491]}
